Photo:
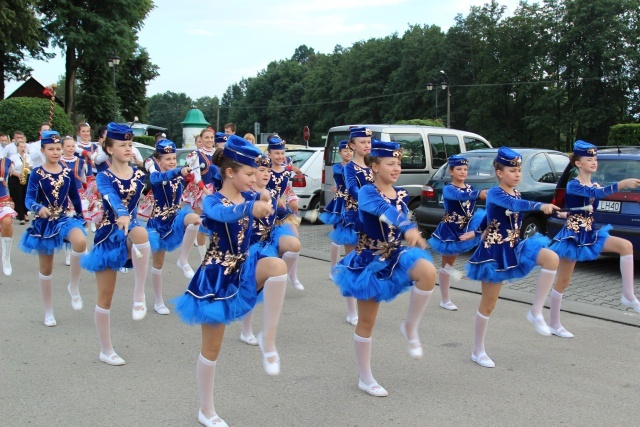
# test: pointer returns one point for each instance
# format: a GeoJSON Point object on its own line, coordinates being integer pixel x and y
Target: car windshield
{"type": "Point", "coordinates": [298, 157]}
{"type": "Point", "coordinates": [613, 170]}
{"type": "Point", "coordinates": [480, 167]}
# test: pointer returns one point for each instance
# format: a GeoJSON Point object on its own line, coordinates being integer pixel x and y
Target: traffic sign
{"type": "Point", "coordinates": [306, 133]}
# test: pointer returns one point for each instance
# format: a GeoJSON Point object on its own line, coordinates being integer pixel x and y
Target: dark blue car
{"type": "Point", "coordinates": [621, 210]}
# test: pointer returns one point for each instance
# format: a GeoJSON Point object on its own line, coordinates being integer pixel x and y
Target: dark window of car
{"type": "Point", "coordinates": [443, 146]}
{"type": "Point", "coordinates": [559, 162]}
{"type": "Point", "coordinates": [333, 141]}
{"type": "Point", "coordinates": [413, 156]}
{"type": "Point", "coordinates": [611, 171]}
{"type": "Point", "coordinates": [298, 157]}
{"type": "Point", "coordinates": [474, 144]}
{"type": "Point", "coordinates": [540, 169]}
{"type": "Point", "coordinates": [181, 158]}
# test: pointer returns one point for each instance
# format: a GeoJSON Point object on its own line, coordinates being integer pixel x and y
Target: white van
{"type": "Point", "coordinates": [425, 149]}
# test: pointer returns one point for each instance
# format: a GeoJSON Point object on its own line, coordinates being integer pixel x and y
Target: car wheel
{"type": "Point", "coordinates": [530, 226]}
{"type": "Point", "coordinates": [311, 215]}
{"type": "Point", "coordinates": [412, 207]}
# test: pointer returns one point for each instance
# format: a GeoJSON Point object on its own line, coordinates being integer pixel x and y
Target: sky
{"type": "Point", "coordinates": [204, 46]}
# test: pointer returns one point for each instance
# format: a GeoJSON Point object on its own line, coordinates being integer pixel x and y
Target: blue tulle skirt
{"type": "Point", "coordinates": [46, 237]}
{"type": "Point", "coordinates": [447, 242]}
{"type": "Point", "coordinates": [167, 235]}
{"type": "Point", "coordinates": [111, 251]}
{"type": "Point", "coordinates": [330, 217]}
{"type": "Point", "coordinates": [235, 294]}
{"type": "Point", "coordinates": [453, 247]}
{"type": "Point", "coordinates": [571, 246]}
{"type": "Point", "coordinates": [270, 247]}
{"type": "Point", "coordinates": [344, 234]}
{"type": "Point", "coordinates": [364, 276]}
{"type": "Point", "coordinates": [498, 269]}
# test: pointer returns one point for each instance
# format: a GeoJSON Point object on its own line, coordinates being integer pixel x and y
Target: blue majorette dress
{"type": "Point", "coordinates": [502, 255]}
{"type": "Point", "coordinates": [277, 186]}
{"type": "Point", "coordinates": [265, 238]}
{"type": "Point", "coordinates": [166, 224]}
{"type": "Point", "coordinates": [355, 177]}
{"type": "Point", "coordinates": [53, 191]}
{"type": "Point", "coordinates": [379, 266]}
{"type": "Point", "coordinates": [77, 166]}
{"type": "Point", "coordinates": [224, 286]}
{"type": "Point", "coordinates": [119, 198]}
{"type": "Point", "coordinates": [335, 209]}
{"type": "Point", "coordinates": [579, 240]}
{"type": "Point", "coordinates": [459, 218]}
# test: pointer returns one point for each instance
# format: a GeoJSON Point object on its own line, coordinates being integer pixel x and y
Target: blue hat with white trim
{"type": "Point", "coordinates": [584, 149]}
{"type": "Point", "coordinates": [221, 138]}
{"type": "Point", "coordinates": [164, 146]}
{"type": "Point", "coordinates": [50, 137]}
{"type": "Point", "coordinates": [241, 151]}
{"type": "Point", "coordinates": [356, 132]}
{"type": "Point", "coordinates": [456, 160]}
{"type": "Point", "coordinates": [385, 149]}
{"type": "Point", "coordinates": [275, 143]}
{"type": "Point", "coordinates": [343, 144]}
{"type": "Point", "coordinates": [507, 157]}
{"type": "Point", "coordinates": [119, 132]}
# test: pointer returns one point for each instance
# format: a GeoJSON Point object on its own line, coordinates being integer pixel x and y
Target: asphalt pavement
{"type": "Point", "coordinates": [52, 376]}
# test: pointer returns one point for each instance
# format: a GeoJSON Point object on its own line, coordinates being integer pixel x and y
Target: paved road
{"type": "Point", "coordinates": [52, 376]}
{"type": "Point", "coordinates": [595, 289]}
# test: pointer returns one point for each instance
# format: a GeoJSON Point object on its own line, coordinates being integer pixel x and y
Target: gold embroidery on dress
{"type": "Point", "coordinates": [232, 261]}
{"type": "Point", "coordinates": [56, 184]}
{"type": "Point", "coordinates": [578, 221]}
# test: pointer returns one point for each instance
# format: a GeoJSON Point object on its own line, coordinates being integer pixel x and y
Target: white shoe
{"type": "Point", "coordinates": [296, 284]}
{"type": "Point", "coordinates": [67, 257]}
{"type": "Point", "coordinates": [414, 346]}
{"type": "Point", "coordinates": [271, 368]}
{"type": "Point", "coordinates": [631, 304]}
{"type": "Point", "coordinates": [113, 360]}
{"type": "Point", "coordinates": [448, 306]}
{"type": "Point", "coordinates": [50, 321]}
{"type": "Point", "coordinates": [483, 360]}
{"type": "Point", "coordinates": [93, 227]}
{"type": "Point", "coordinates": [251, 339]}
{"type": "Point", "coordinates": [76, 300]}
{"type": "Point", "coordinates": [538, 322]}
{"type": "Point", "coordinates": [561, 332]}
{"type": "Point", "coordinates": [186, 269]}
{"type": "Point", "coordinates": [123, 270]}
{"type": "Point", "coordinates": [374, 389]}
{"type": "Point", "coordinates": [214, 421]}
{"type": "Point", "coordinates": [139, 310]}
{"type": "Point", "coordinates": [352, 320]}
{"type": "Point", "coordinates": [161, 309]}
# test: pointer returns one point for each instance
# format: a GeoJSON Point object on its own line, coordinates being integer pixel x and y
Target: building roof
{"type": "Point", "coordinates": [32, 89]}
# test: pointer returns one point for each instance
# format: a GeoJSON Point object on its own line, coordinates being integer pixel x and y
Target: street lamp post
{"type": "Point", "coordinates": [443, 83]}
{"type": "Point", "coordinates": [114, 61]}
{"type": "Point", "coordinates": [448, 98]}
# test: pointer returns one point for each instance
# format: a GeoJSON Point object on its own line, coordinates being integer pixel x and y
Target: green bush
{"type": "Point", "coordinates": [624, 134]}
{"type": "Point", "coordinates": [146, 140]}
{"type": "Point", "coordinates": [422, 122]}
{"type": "Point", "coordinates": [27, 114]}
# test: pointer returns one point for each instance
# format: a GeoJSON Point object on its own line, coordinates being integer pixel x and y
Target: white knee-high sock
{"type": "Point", "coordinates": [190, 234]}
{"type": "Point", "coordinates": [444, 281]}
{"type": "Point", "coordinates": [479, 331]}
{"type": "Point", "coordinates": [102, 319]}
{"type": "Point", "coordinates": [156, 281]}
{"type": "Point", "coordinates": [75, 270]}
{"type": "Point", "coordinates": [206, 373]}
{"type": "Point", "coordinates": [291, 259]}
{"type": "Point", "coordinates": [352, 306]}
{"type": "Point", "coordinates": [273, 290]}
{"type": "Point", "coordinates": [554, 309]}
{"type": "Point", "coordinates": [626, 269]}
{"type": "Point", "coordinates": [334, 253]}
{"type": "Point", "coordinates": [140, 267]}
{"type": "Point", "coordinates": [417, 303]}
{"type": "Point", "coordinates": [247, 330]}
{"type": "Point", "coordinates": [545, 282]}
{"type": "Point", "coordinates": [362, 347]}
{"type": "Point", "coordinates": [202, 250]}
{"type": "Point", "coordinates": [47, 294]}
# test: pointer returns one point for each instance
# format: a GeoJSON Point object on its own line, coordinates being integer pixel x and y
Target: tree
{"type": "Point", "coordinates": [21, 35]}
{"type": "Point", "coordinates": [169, 110]}
{"type": "Point", "coordinates": [90, 31]}
{"type": "Point", "coordinates": [133, 76]}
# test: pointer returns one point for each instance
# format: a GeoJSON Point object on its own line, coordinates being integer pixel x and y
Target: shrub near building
{"type": "Point", "coordinates": [27, 114]}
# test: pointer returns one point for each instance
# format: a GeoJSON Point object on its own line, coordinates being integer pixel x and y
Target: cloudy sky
{"type": "Point", "coordinates": [203, 46]}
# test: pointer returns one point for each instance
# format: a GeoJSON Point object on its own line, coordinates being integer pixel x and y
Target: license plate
{"type": "Point", "coordinates": [609, 206]}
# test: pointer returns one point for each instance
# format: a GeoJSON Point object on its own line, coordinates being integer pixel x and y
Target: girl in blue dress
{"type": "Point", "coordinates": [7, 213]}
{"type": "Point", "coordinates": [503, 256]}
{"type": "Point", "coordinates": [278, 184]}
{"type": "Point", "coordinates": [268, 238]}
{"type": "Point", "coordinates": [77, 166]}
{"type": "Point", "coordinates": [170, 226]}
{"type": "Point", "coordinates": [380, 267]}
{"type": "Point", "coordinates": [50, 189]}
{"type": "Point", "coordinates": [458, 232]}
{"type": "Point", "coordinates": [226, 285]}
{"type": "Point", "coordinates": [117, 236]}
{"type": "Point", "coordinates": [356, 175]}
{"type": "Point", "coordinates": [580, 240]}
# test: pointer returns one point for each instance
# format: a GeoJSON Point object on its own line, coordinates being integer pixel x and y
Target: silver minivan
{"type": "Point", "coordinates": [425, 149]}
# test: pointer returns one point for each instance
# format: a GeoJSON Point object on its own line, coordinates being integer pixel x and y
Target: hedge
{"type": "Point", "coordinates": [421, 122]}
{"type": "Point", "coordinates": [624, 134]}
{"type": "Point", "coordinates": [27, 114]}
{"type": "Point", "coordinates": [146, 140]}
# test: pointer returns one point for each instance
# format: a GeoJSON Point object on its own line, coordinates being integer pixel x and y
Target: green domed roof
{"type": "Point", "coordinates": [194, 118]}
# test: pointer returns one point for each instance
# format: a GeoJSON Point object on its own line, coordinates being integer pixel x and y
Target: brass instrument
{"type": "Point", "coordinates": [24, 173]}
